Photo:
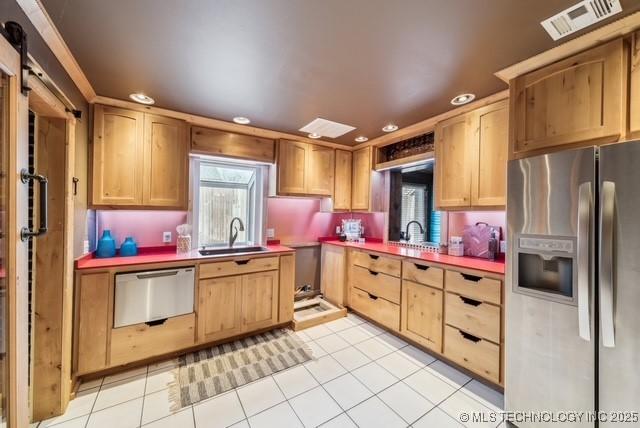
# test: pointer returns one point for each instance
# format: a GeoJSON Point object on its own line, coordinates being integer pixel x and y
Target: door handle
{"type": "Point", "coordinates": [242, 262]}
{"type": "Point", "coordinates": [470, 302]}
{"type": "Point", "coordinates": [374, 257]}
{"type": "Point", "coordinates": [156, 274]}
{"type": "Point", "coordinates": [473, 278]}
{"type": "Point", "coordinates": [25, 232]}
{"type": "Point", "coordinates": [607, 212]}
{"type": "Point", "coordinates": [469, 337]}
{"type": "Point", "coordinates": [374, 273]}
{"type": "Point", "coordinates": [421, 267]}
{"type": "Point", "coordinates": [585, 202]}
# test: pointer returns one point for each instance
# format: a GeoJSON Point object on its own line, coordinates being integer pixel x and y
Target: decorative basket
{"type": "Point", "coordinates": [183, 244]}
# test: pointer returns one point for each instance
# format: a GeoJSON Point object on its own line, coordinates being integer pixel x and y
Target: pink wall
{"type": "Point", "coordinates": [146, 227]}
{"type": "Point", "coordinates": [458, 220]}
{"type": "Point", "coordinates": [299, 220]}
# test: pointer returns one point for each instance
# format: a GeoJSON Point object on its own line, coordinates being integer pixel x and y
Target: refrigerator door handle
{"type": "Point", "coordinates": [607, 208]}
{"type": "Point", "coordinates": [585, 203]}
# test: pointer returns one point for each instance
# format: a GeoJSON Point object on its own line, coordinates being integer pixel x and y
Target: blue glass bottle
{"type": "Point", "coordinates": [129, 247]}
{"type": "Point", "coordinates": [106, 245]}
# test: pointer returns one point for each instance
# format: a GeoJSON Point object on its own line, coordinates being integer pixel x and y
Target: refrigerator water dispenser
{"type": "Point", "coordinates": [544, 268]}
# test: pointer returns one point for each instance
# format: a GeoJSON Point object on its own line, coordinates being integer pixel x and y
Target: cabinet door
{"type": "Point", "coordinates": [342, 187]}
{"type": "Point", "coordinates": [361, 182]}
{"type": "Point", "coordinates": [576, 100]}
{"type": "Point", "coordinates": [259, 300]}
{"type": "Point", "coordinates": [453, 156]}
{"type": "Point", "coordinates": [220, 308]}
{"type": "Point", "coordinates": [320, 170]}
{"type": "Point", "coordinates": [165, 162]}
{"type": "Point", "coordinates": [117, 156]}
{"type": "Point", "coordinates": [634, 91]}
{"type": "Point", "coordinates": [92, 321]}
{"type": "Point", "coordinates": [489, 172]}
{"type": "Point", "coordinates": [292, 165]}
{"type": "Point", "coordinates": [333, 274]}
{"type": "Point", "coordinates": [422, 314]}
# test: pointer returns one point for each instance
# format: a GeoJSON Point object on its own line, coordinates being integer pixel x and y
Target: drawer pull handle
{"type": "Point", "coordinates": [156, 322]}
{"type": "Point", "coordinates": [373, 272]}
{"type": "Point", "coordinates": [372, 297]}
{"type": "Point", "coordinates": [374, 257]}
{"type": "Point", "coordinates": [468, 301]}
{"type": "Point", "coordinates": [470, 337]}
{"type": "Point", "coordinates": [473, 278]}
{"type": "Point", "coordinates": [421, 267]}
{"type": "Point", "coordinates": [242, 262]}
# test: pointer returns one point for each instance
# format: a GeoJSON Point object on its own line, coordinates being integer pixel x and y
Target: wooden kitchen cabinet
{"type": "Point", "coordinates": [421, 310]}
{"type": "Point", "coordinates": [580, 99]}
{"type": "Point", "coordinates": [139, 160]}
{"type": "Point", "coordinates": [259, 300]}
{"type": "Point", "coordinates": [117, 156]}
{"type": "Point", "coordinates": [92, 321]}
{"type": "Point", "coordinates": [634, 90]}
{"type": "Point", "coordinates": [165, 170]}
{"type": "Point", "coordinates": [215, 142]}
{"type": "Point", "coordinates": [471, 152]}
{"type": "Point", "coordinates": [333, 276]}
{"type": "Point", "coordinates": [342, 186]}
{"type": "Point", "coordinates": [367, 186]}
{"type": "Point", "coordinates": [305, 169]}
{"type": "Point", "coordinates": [219, 309]}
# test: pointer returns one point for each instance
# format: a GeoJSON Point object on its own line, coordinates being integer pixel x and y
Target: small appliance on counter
{"type": "Point", "coordinates": [129, 247]}
{"type": "Point", "coordinates": [106, 245]}
{"type": "Point", "coordinates": [456, 246]}
{"type": "Point", "coordinates": [183, 241]}
{"type": "Point", "coordinates": [481, 240]}
{"type": "Point", "coordinates": [352, 229]}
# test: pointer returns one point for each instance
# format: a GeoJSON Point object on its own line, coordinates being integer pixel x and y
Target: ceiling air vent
{"type": "Point", "coordinates": [326, 128]}
{"type": "Point", "coordinates": [579, 16]}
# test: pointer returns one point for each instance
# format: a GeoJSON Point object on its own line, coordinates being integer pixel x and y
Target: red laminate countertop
{"type": "Point", "coordinates": [462, 262]}
{"type": "Point", "coordinates": [164, 255]}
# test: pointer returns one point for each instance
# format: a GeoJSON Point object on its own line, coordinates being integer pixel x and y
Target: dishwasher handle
{"type": "Point", "coordinates": [156, 274]}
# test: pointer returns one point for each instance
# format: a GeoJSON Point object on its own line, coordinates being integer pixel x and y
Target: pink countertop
{"type": "Point", "coordinates": [162, 255]}
{"type": "Point", "coordinates": [462, 262]}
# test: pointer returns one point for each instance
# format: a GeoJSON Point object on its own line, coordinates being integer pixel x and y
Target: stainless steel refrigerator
{"type": "Point", "coordinates": [573, 287]}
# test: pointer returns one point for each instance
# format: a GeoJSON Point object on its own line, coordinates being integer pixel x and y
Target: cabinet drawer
{"type": "Point", "coordinates": [423, 273]}
{"type": "Point", "coordinates": [475, 317]}
{"type": "Point", "coordinates": [474, 286]}
{"type": "Point", "coordinates": [238, 267]}
{"type": "Point", "coordinates": [140, 341]}
{"type": "Point", "coordinates": [376, 308]}
{"type": "Point", "coordinates": [377, 263]}
{"type": "Point", "coordinates": [378, 284]}
{"type": "Point", "coordinates": [473, 353]}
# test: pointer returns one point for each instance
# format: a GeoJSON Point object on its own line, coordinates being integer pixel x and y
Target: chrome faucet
{"type": "Point", "coordinates": [233, 234]}
{"type": "Point", "coordinates": [407, 237]}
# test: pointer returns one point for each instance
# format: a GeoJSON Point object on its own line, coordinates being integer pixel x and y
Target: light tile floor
{"type": "Point", "coordinates": [361, 377]}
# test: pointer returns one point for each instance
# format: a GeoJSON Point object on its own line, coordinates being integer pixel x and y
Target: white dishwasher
{"type": "Point", "coordinates": [152, 297]}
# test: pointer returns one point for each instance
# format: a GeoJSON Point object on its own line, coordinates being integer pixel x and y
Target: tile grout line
{"type": "Point", "coordinates": [144, 395]}
{"type": "Point", "coordinates": [286, 401]}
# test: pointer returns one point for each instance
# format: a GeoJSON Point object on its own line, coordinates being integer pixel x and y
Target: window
{"type": "Point", "coordinates": [225, 190]}
{"type": "Point", "coordinates": [417, 205]}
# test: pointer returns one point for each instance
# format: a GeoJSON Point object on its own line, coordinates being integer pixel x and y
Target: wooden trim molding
{"type": "Point", "coordinates": [42, 21]}
{"type": "Point", "coordinates": [600, 35]}
{"type": "Point", "coordinates": [208, 122]}
{"type": "Point", "coordinates": [429, 124]}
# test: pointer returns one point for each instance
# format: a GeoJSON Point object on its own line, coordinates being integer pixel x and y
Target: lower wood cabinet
{"type": "Point", "coordinates": [473, 353]}
{"type": "Point", "coordinates": [333, 275]}
{"type": "Point", "coordinates": [259, 300]}
{"type": "Point", "coordinates": [422, 314]}
{"type": "Point", "coordinates": [92, 321]}
{"type": "Point", "coordinates": [375, 308]}
{"type": "Point", "coordinates": [219, 309]}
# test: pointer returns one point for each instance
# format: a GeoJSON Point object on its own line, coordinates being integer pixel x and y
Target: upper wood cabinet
{"type": "Point", "coordinates": [117, 156]}
{"type": "Point", "coordinates": [165, 176]}
{"type": "Point", "coordinates": [304, 169]}
{"type": "Point", "coordinates": [342, 187]}
{"type": "Point", "coordinates": [368, 187]}
{"type": "Point", "coordinates": [222, 143]}
{"type": "Point", "coordinates": [580, 99]}
{"type": "Point", "coordinates": [139, 160]}
{"type": "Point", "coordinates": [634, 92]}
{"type": "Point", "coordinates": [471, 153]}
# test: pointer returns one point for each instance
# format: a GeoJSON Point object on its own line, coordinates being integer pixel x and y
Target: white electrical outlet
{"type": "Point", "coordinates": [271, 233]}
{"type": "Point", "coordinates": [166, 237]}
{"type": "Point", "coordinates": [503, 246]}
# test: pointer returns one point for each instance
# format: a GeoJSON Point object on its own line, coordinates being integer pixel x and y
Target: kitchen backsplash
{"type": "Point", "coordinates": [458, 220]}
{"type": "Point", "coordinates": [146, 227]}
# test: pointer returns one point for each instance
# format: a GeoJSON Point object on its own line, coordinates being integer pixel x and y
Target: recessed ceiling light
{"type": "Point", "coordinates": [314, 135]}
{"type": "Point", "coordinates": [361, 139]}
{"type": "Point", "coordinates": [142, 98]}
{"type": "Point", "coordinates": [390, 128]}
{"type": "Point", "coordinates": [240, 120]}
{"type": "Point", "coordinates": [463, 99]}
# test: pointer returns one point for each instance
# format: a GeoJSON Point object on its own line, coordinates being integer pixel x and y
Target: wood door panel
{"type": "Point", "coordinates": [219, 309]}
{"type": "Point", "coordinates": [292, 165]}
{"type": "Point", "coordinates": [92, 321]}
{"type": "Point", "coordinates": [361, 179]}
{"type": "Point", "coordinates": [117, 156]}
{"type": "Point", "coordinates": [334, 274]}
{"type": "Point", "coordinates": [473, 353]}
{"type": "Point", "coordinates": [320, 170]}
{"type": "Point", "coordinates": [259, 300]}
{"type": "Point", "coordinates": [634, 91]}
{"type": "Point", "coordinates": [342, 186]}
{"type": "Point", "coordinates": [422, 314]}
{"type": "Point", "coordinates": [222, 143]}
{"type": "Point", "coordinates": [453, 157]}
{"type": "Point", "coordinates": [165, 162]}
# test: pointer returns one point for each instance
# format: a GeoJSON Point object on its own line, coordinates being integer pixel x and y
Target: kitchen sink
{"type": "Point", "coordinates": [233, 250]}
